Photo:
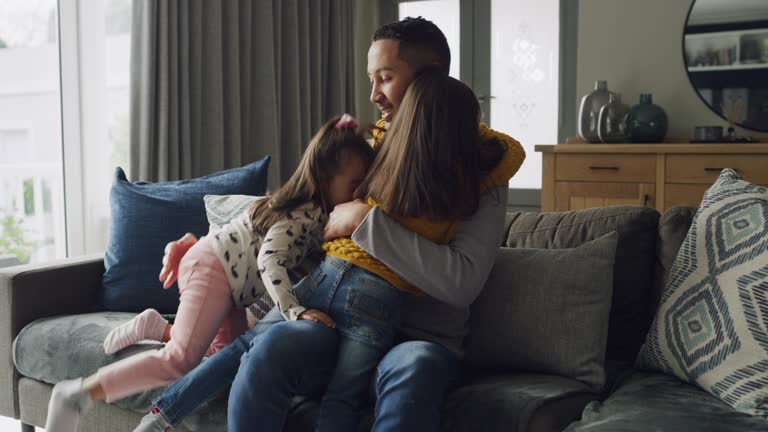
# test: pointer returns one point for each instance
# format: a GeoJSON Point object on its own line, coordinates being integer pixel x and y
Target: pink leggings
{"type": "Point", "coordinates": [206, 314]}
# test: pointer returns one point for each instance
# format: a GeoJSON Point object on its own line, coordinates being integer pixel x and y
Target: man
{"type": "Point", "coordinates": [298, 357]}
{"type": "Point", "coordinates": [414, 376]}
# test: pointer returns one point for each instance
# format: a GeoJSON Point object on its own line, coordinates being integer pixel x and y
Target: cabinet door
{"type": "Point", "coordinates": [582, 195]}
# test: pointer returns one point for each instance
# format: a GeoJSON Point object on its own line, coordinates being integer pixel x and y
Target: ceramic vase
{"type": "Point", "coordinates": [647, 122]}
{"type": "Point", "coordinates": [589, 111]}
{"type": "Point", "coordinates": [612, 121]}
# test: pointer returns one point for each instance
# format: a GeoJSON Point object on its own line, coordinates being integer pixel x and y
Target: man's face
{"type": "Point", "coordinates": [389, 75]}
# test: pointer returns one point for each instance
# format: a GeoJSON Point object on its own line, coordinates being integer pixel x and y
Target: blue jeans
{"type": "Point", "coordinates": [366, 309]}
{"type": "Point", "coordinates": [212, 377]}
{"type": "Point", "coordinates": [409, 385]}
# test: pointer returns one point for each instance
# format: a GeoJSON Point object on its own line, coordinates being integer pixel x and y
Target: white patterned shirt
{"type": "Point", "coordinates": [255, 263]}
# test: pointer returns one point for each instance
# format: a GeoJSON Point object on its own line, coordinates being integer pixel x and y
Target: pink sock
{"type": "Point", "coordinates": [146, 325]}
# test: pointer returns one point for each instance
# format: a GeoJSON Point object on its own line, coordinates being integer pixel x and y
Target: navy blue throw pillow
{"type": "Point", "coordinates": [146, 216]}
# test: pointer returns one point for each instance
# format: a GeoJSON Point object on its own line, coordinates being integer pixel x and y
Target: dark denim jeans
{"type": "Point", "coordinates": [366, 309]}
{"type": "Point", "coordinates": [212, 377]}
{"type": "Point", "coordinates": [298, 358]}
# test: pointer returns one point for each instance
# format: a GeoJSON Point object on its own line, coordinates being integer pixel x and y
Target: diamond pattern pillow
{"type": "Point", "coordinates": [711, 328]}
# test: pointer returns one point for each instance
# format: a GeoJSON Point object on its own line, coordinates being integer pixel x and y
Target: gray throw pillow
{"type": "Point", "coordinates": [546, 310]}
{"type": "Point", "coordinates": [221, 209]}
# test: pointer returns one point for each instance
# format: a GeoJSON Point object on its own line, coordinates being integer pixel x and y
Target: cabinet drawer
{"type": "Point", "coordinates": [583, 195]}
{"type": "Point", "coordinates": [704, 169]}
{"type": "Point", "coordinates": [688, 195]}
{"type": "Point", "coordinates": [606, 168]}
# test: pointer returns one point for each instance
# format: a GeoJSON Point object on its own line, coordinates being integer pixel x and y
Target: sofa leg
{"type": "Point", "coordinates": [27, 428]}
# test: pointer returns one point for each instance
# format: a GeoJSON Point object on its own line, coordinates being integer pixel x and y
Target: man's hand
{"type": "Point", "coordinates": [345, 218]}
{"type": "Point", "coordinates": [318, 317]}
{"type": "Point", "coordinates": [174, 251]}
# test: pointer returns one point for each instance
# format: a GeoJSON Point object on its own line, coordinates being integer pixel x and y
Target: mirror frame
{"type": "Point", "coordinates": [696, 89]}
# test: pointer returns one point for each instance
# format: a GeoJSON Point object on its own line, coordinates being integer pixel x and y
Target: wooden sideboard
{"type": "Point", "coordinates": [578, 176]}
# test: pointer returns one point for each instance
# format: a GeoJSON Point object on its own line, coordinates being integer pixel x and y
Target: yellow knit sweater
{"type": "Point", "coordinates": [439, 232]}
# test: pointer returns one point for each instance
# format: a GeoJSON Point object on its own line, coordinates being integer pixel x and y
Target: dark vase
{"type": "Point", "coordinates": [589, 111]}
{"type": "Point", "coordinates": [647, 122]}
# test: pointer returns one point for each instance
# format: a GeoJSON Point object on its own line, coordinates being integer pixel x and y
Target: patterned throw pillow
{"type": "Point", "coordinates": [711, 328]}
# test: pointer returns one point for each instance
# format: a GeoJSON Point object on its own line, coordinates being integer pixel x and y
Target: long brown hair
{"type": "Point", "coordinates": [327, 151]}
{"type": "Point", "coordinates": [430, 161]}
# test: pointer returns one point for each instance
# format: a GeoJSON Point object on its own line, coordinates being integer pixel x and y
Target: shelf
{"type": "Point", "coordinates": [735, 67]}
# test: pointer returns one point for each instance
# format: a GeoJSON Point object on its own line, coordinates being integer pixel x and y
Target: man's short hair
{"type": "Point", "coordinates": [421, 43]}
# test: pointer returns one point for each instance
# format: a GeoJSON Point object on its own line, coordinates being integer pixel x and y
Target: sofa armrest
{"type": "Point", "coordinates": [30, 292]}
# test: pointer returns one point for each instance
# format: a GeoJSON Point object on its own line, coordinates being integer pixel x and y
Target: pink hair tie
{"type": "Point", "coordinates": [346, 121]}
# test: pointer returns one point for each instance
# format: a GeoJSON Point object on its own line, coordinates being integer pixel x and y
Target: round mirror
{"type": "Point", "coordinates": [726, 53]}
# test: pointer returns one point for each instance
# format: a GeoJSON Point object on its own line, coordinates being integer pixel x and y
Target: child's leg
{"type": "Point", "coordinates": [146, 325]}
{"type": "Point", "coordinates": [204, 304]}
{"type": "Point", "coordinates": [235, 324]}
{"type": "Point", "coordinates": [347, 393]}
{"type": "Point", "coordinates": [212, 377]}
{"type": "Point", "coordinates": [366, 309]}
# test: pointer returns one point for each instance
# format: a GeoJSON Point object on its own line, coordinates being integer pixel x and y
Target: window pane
{"type": "Point", "coordinates": [445, 15]}
{"type": "Point", "coordinates": [524, 78]}
{"type": "Point", "coordinates": [106, 44]}
{"type": "Point", "coordinates": [31, 188]}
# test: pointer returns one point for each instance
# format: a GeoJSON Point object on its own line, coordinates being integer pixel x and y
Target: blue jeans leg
{"type": "Point", "coordinates": [291, 358]}
{"type": "Point", "coordinates": [212, 377]}
{"type": "Point", "coordinates": [410, 386]}
{"type": "Point", "coordinates": [366, 309]}
{"type": "Point", "coordinates": [346, 396]}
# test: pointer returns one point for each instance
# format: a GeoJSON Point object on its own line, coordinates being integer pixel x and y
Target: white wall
{"type": "Point", "coordinates": [637, 46]}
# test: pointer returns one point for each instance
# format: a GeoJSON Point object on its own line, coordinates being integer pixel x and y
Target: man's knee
{"type": "Point", "coordinates": [414, 356]}
{"type": "Point", "coordinates": [291, 342]}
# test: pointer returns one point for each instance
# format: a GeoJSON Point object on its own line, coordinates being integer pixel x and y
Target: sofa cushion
{"type": "Point", "coordinates": [633, 269]}
{"type": "Point", "coordinates": [510, 402]}
{"type": "Point", "coordinates": [515, 402]}
{"type": "Point", "coordinates": [146, 216]}
{"type": "Point", "coordinates": [711, 328]}
{"type": "Point", "coordinates": [546, 310]}
{"type": "Point", "coordinates": [649, 401]}
{"type": "Point", "coordinates": [70, 346]}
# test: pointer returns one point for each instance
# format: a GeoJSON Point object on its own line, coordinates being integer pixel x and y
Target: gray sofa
{"type": "Point", "coordinates": [50, 330]}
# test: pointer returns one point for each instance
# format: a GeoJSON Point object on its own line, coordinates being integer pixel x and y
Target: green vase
{"type": "Point", "coordinates": [647, 122]}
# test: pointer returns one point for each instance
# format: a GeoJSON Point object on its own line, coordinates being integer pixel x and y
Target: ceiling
{"type": "Point", "coordinates": [727, 11]}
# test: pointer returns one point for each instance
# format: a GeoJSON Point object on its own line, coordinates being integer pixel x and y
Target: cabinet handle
{"type": "Point", "coordinates": [718, 169]}
{"type": "Point", "coordinates": [604, 168]}
{"type": "Point", "coordinates": [646, 198]}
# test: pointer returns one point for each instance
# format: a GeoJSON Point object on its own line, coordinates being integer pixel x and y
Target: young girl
{"type": "Point", "coordinates": [425, 175]}
{"type": "Point", "coordinates": [230, 269]}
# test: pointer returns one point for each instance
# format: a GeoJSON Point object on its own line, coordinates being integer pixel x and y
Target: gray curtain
{"type": "Point", "coordinates": [218, 84]}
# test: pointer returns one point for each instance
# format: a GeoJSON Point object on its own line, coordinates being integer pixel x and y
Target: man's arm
{"type": "Point", "coordinates": [454, 273]}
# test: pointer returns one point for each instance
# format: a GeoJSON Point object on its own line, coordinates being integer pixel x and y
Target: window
{"type": "Point", "coordinates": [525, 78]}
{"type": "Point", "coordinates": [445, 14]}
{"type": "Point", "coordinates": [30, 133]}
{"type": "Point", "coordinates": [518, 80]}
{"type": "Point", "coordinates": [64, 123]}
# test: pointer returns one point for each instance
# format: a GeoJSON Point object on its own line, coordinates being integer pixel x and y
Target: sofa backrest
{"type": "Point", "coordinates": [633, 270]}
{"type": "Point", "coordinates": [673, 227]}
